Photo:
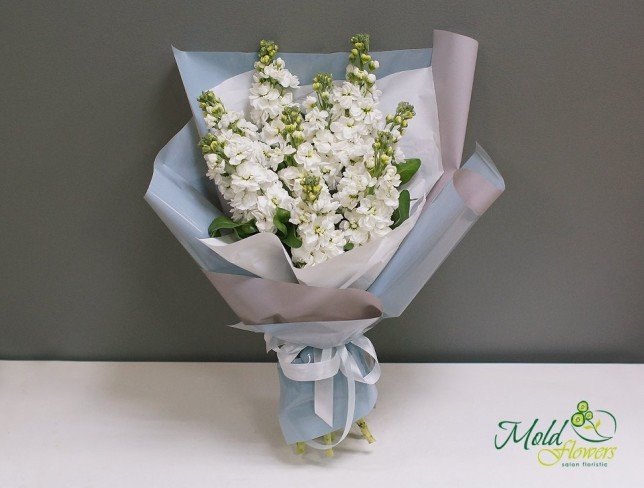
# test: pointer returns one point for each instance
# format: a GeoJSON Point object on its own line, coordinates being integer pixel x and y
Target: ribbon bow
{"type": "Point", "coordinates": [327, 362]}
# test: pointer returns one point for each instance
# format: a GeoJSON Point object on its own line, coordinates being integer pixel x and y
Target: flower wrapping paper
{"type": "Point", "coordinates": [315, 317]}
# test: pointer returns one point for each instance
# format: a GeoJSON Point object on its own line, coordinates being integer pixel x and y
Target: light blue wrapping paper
{"type": "Point", "coordinates": [297, 417]}
{"type": "Point", "coordinates": [439, 229]}
{"type": "Point", "coordinates": [184, 199]}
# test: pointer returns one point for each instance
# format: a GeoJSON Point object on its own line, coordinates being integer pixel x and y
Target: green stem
{"type": "Point", "coordinates": [366, 433]}
{"type": "Point", "coordinates": [300, 448]}
{"type": "Point", "coordinates": [328, 439]}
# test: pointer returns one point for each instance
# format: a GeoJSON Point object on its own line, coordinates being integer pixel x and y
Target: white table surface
{"type": "Point", "coordinates": [118, 425]}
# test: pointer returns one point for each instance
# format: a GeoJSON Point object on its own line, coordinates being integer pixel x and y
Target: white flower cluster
{"type": "Point", "coordinates": [241, 166]}
{"type": "Point", "coordinates": [323, 176]}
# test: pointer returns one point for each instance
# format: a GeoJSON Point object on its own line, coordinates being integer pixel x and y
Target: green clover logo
{"type": "Point", "coordinates": [587, 423]}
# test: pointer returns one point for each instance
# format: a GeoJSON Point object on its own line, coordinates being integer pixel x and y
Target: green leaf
{"type": "Point", "coordinates": [282, 214]}
{"type": "Point", "coordinates": [348, 246]}
{"type": "Point", "coordinates": [402, 212]}
{"type": "Point", "coordinates": [588, 427]}
{"type": "Point", "coordinates": [241, 229]}
{"type": "Point", "coordinates": [281, 228]}
{"type": "Point", "coordinates": [407, 169]}
{"type": "Point", "coordinates": [245, 230]}
{"type": "Point", "coordinates": [280, 219]}
{"type": "Point", "coordinates": [219, 224]}
{"type": "Point", "coordinates": [291, 239]}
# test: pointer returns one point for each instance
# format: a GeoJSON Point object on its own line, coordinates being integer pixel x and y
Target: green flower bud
{"type": "Point", "coordinates": [405, 110]}
{"type": "Point", "coordinates": [267, 51]}
{"type": "Point", "coordinates": [211, 105]}
{"type": "Point", "coordinates": [322, 82]}
{"type": "Point", "coordinates": [360, 41]}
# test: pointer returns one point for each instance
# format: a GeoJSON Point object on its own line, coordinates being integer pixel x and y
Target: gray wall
{"type": "Point", "coordinates": [553, 272]}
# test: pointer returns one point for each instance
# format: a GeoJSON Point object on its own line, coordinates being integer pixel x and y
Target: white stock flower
{"type": "Point", "coordinates": [278, 153]}
{"type": "Point", "coordinates": [237, 149]}
{"type": "Point", "coordinates": [315, 158]}
{"type": "Point", "coordinates": [346, 128]}
{"type": "Point", "coordinates": [247, 177]}
{"type": "Point", "coordinates": [315, 120]}
{"type": "Point", "coordinates": [320, 239]}
{"type": "Point", "coordinates": [345, 95]}
{"type": "Point", "coordinates": [308, 157]}
{"type": "Point", "coordinates": [284, 77]}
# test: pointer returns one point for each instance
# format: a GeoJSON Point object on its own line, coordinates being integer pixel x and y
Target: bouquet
{"type": "Point", "coordinates": [293, 193]}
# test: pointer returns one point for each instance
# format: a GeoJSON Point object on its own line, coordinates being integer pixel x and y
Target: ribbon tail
{"type": "Point", "coordinates": [323, 393]}
{"type": "Point", "coordinates": [351, 403]}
